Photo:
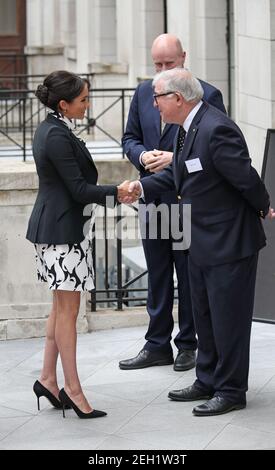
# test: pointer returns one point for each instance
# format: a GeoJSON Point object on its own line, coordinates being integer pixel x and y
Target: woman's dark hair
{"type": "Point", "coordinates": [60, 85]}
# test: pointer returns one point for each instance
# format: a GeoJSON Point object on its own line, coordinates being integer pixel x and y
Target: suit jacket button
{"type": "Point", "coordinates": [179, 197]}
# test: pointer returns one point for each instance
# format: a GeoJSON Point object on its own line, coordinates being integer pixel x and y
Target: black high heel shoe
{"type": "Point", "coordinates": [41, 391]}
{"type": "Point", "coordinates": [65, 400]}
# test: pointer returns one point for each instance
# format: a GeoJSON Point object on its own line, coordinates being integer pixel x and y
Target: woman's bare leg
{"type": "Point", "coordinates": [65, 334]}
{"type": "Point", "coordinates": [48, 374]}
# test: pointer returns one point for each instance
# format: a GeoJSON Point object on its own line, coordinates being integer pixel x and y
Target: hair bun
{"type": "Point", "coordinates": [42, 93]}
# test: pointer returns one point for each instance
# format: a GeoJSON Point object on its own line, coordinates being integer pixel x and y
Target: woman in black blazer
{"type": "Point", "coordinates": [67, 183]}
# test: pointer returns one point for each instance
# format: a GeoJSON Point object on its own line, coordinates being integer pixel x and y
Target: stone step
{"type": "Point", "coordinates": [98, 149]}
{"type": "Point", "coordinates": [102, 319]}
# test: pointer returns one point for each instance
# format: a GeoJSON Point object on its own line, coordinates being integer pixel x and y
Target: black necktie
{"type": "Point", "coordinates": [181, 138]}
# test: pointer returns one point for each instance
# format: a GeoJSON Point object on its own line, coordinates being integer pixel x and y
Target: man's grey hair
{"type": "Point", "coordinates": [182, 81]}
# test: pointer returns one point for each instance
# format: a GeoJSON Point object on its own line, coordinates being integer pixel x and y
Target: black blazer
{"type": "Point", "coordinates": [227, 196]}
{"type": "Point", "coordinates": [67, 183]}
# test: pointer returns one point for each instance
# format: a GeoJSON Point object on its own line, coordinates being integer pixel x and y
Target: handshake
{"type": "Point", "coordinates": [129, 191]}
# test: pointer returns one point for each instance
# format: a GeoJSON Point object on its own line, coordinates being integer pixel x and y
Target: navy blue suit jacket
{"type": "Point", "coordinates": [143, 129]}
{"type": "Point", "coordinates": [226, 196]}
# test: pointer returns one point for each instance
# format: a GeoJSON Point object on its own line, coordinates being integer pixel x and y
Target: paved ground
{"type": "Point", "coordinates": [139, 414]}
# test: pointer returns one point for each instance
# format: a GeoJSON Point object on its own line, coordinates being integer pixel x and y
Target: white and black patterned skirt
{"type": "Point", "coordinates": [66, 267]}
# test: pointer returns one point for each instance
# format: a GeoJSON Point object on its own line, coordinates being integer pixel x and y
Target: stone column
{"type": "Point", "coordinates": [144, 22]}
{"type": "Point", "coordinates": [255, 72]}
{"type": "Point", "coordinates": [68, 32]}
{"type": "Point", "coordinates": [104, 34]}
{"type": "Point", "coordinates": [153, 20]}
{"type": "Point", "coordinates": [124, 33]}
{"type": "Point", "coordinates": [43, 25]}
{"type": "Point", "coordinates": [44, 46]}
{"type": "Point", "coordinates": [35, 23]}
{"type": "Point", "coordinates": [83, 40]}
{"type": "Point", "coordinates": [96, 33]}
{"type": "Point", "coordinates": [179, 14]}
{"type": "Point", "coordinates": [67, 24]}
{"type": "Point", "coordinates": [201, 25]}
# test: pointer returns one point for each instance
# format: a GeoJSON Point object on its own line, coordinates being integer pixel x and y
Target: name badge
{"type": "Point", "coordinates": [193, 165]}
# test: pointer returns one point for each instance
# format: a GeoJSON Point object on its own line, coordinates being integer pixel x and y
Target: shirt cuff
{"type": "Point", "coordinates": [142, 191]}
{"type": "Point", "coordinates": [140, 158]}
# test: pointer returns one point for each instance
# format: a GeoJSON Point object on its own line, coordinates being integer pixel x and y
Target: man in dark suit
{"type": "Point", "coordinates": [149, 146]}
{"type": "Point", "coordinates": [212, 171]}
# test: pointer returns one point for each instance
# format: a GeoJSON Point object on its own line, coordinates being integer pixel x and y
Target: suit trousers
{"type": "Point", "coordinates": [223, 298]}
{"type": "Point", "coordinates": [161, 258]}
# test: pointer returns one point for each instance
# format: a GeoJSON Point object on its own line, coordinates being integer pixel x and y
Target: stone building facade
{"type": "Point", "coordinates": [229, 43]}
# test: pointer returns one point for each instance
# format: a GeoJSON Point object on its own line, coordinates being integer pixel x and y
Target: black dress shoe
{"type": "Point", "coordinates": [217, 406]}
{"type": "Point", "coordinates": [189, 394]}
{"type": "Point", "coordinates": [147, 358]}
{"type": "Point", "coordinates": [185, 360]}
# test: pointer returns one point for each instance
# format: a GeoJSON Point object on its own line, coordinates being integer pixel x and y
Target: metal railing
{"type": "Point", "coordinates": [21, 112]}
{"type": "Point", "coordinates": [117, 288]}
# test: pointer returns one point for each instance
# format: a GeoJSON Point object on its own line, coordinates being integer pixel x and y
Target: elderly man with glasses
{"type": "Point", "coordinates": [212, 172]}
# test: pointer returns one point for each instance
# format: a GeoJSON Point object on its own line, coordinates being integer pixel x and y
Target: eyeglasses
{"type": "Point", "coordinates": [157, 95]}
